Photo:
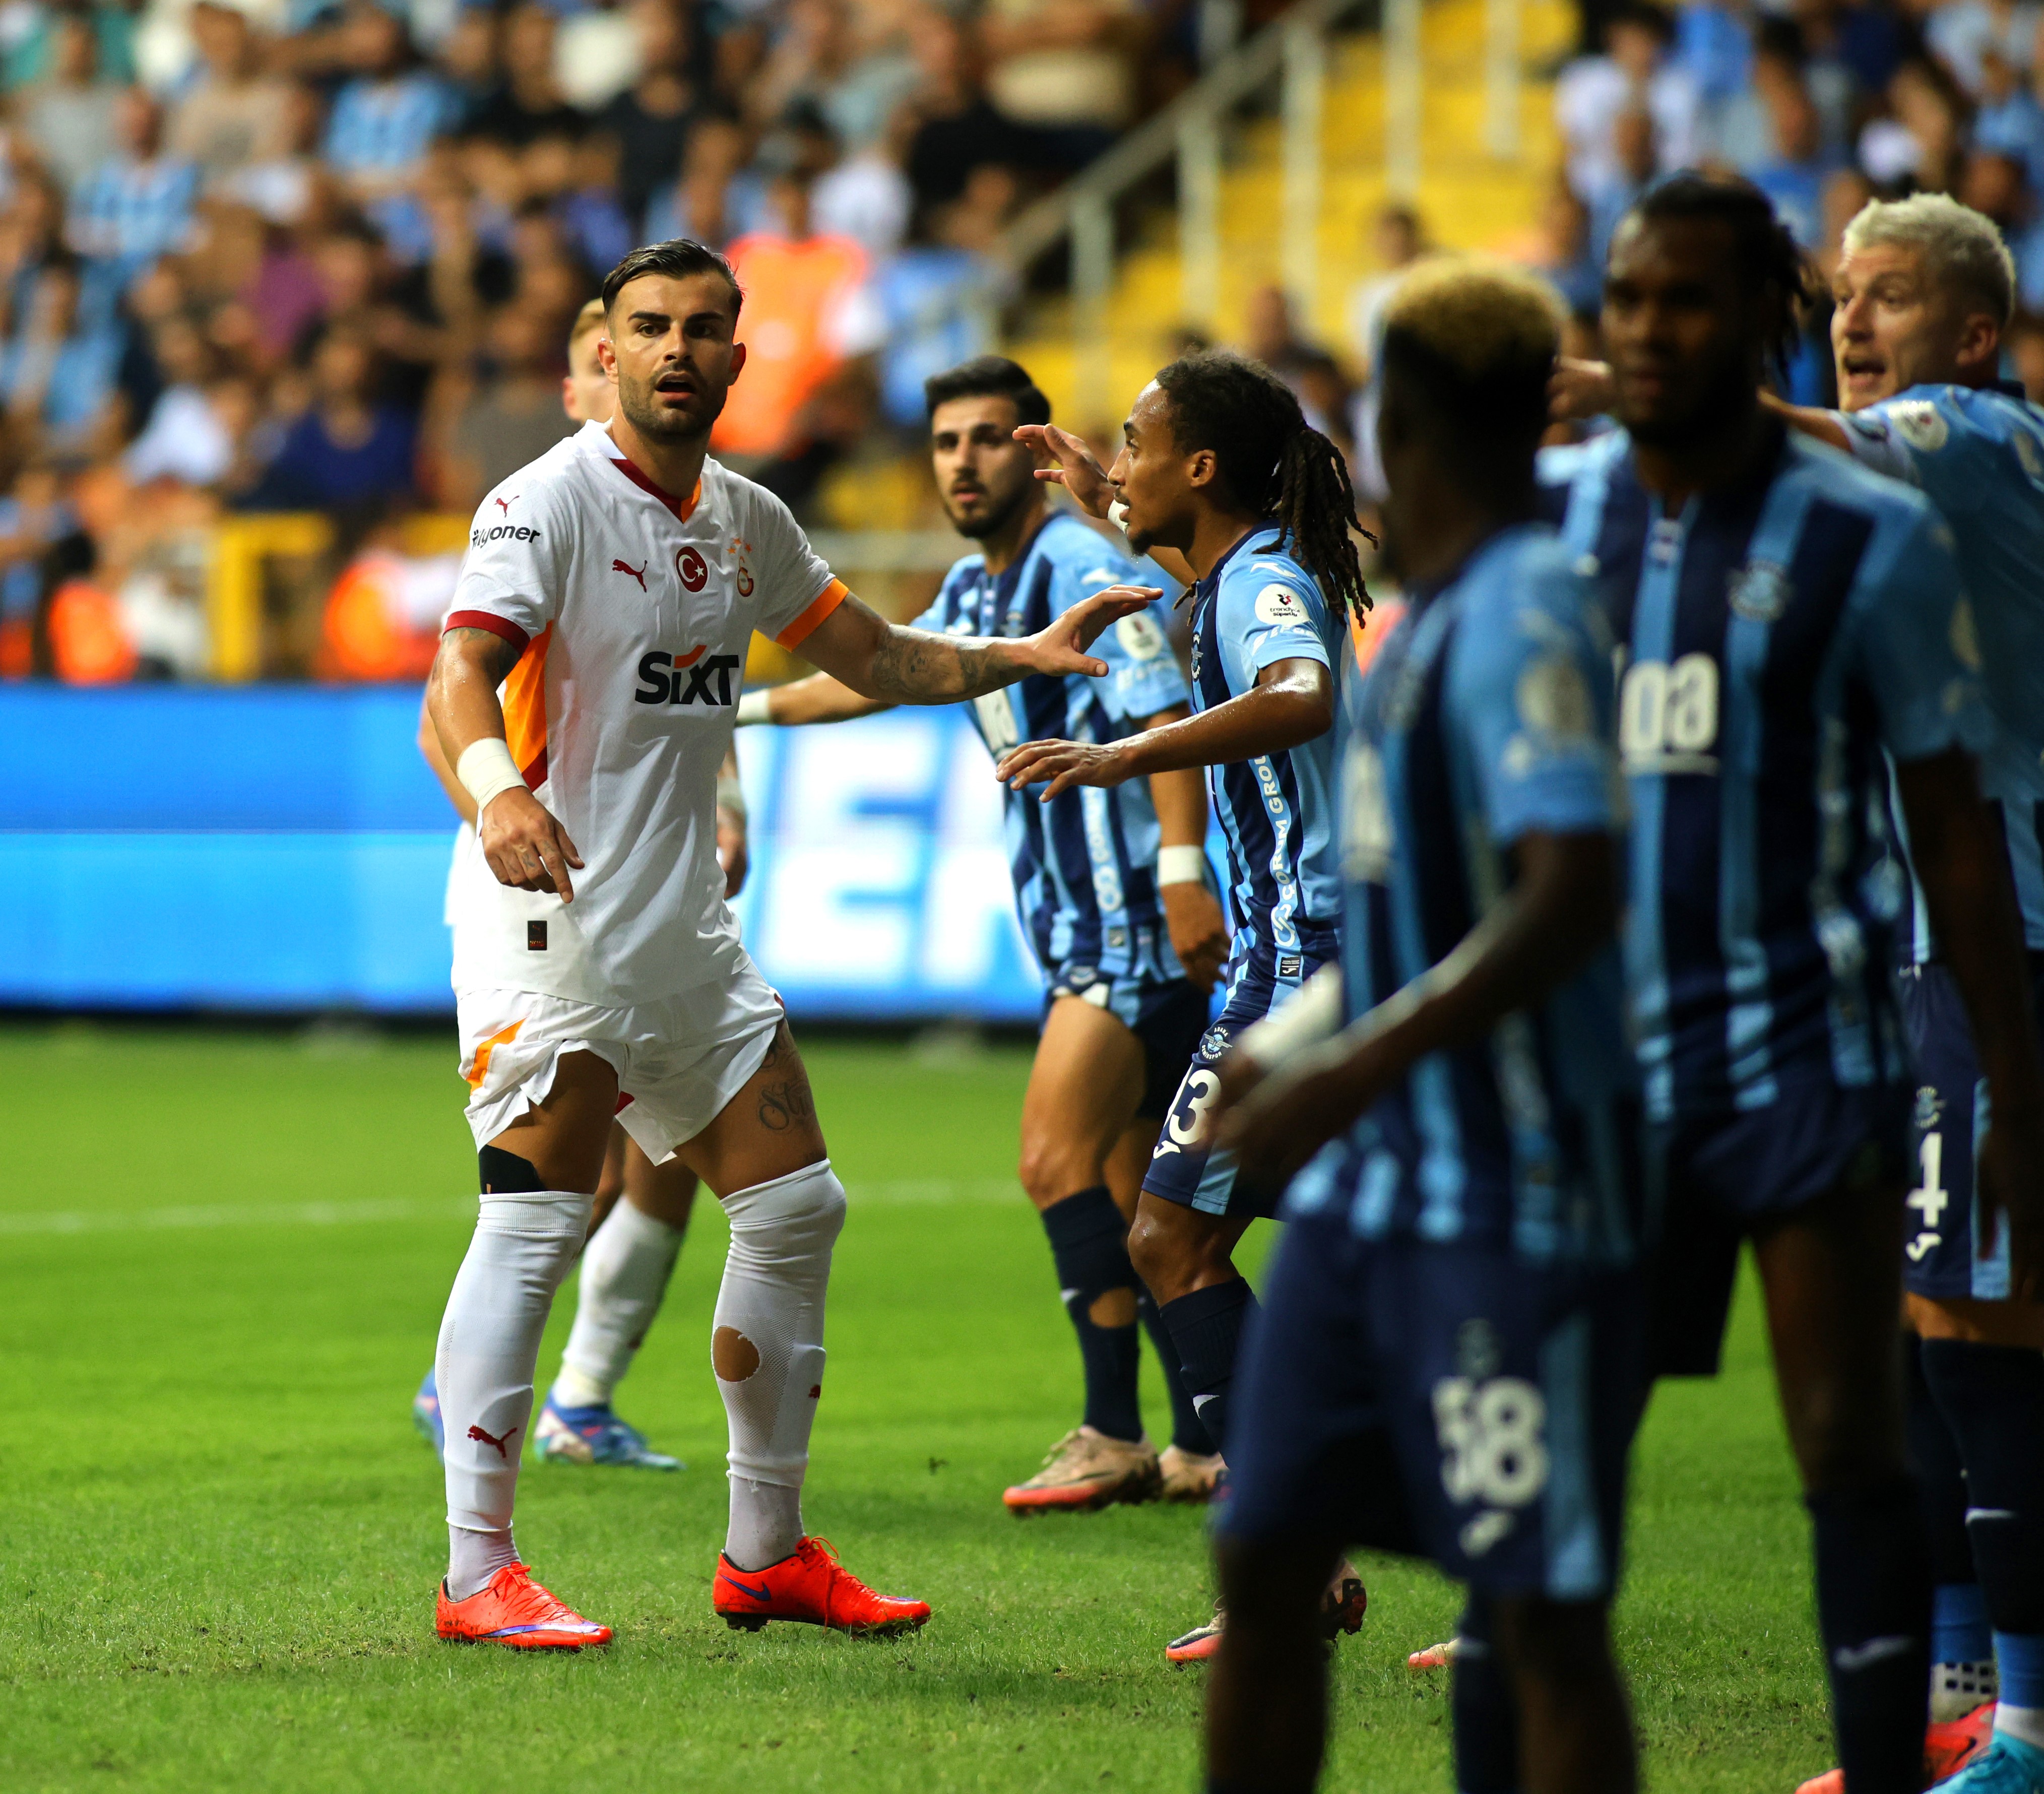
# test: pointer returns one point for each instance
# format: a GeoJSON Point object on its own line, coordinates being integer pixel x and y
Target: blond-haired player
{"type": "Point", "coordinates": [585, 692]}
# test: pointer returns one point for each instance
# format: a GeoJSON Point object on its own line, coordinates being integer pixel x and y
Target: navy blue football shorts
{"type": "Point", "coordinates": [1943, 1256]}
{"type": "Point", "coordinates": [1182, 1170]}
{"type": "Point", "coordinates": [1449, 1401]}
{"type": "Point", "coordinates": [1167, 1019]}
{"type": "Point", "coordinates": [1713, 1179]}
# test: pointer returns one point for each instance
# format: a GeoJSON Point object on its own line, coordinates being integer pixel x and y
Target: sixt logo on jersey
{"type": "Point", "coordinates": [658, 684]}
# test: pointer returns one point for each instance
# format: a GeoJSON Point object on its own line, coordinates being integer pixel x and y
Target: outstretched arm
{"type": "Point", "coordinates": [882, 661]}
{"type": "Point", "coordinates": [1582, 388]}
{"type": "Point", "coordinates": [526, 847]}
{"type": "Point", "coordinates": [819, 698]}
{"type": "Point", "coordinates": [1962, 865]}
{"type": "Point", "coordinates": [1293, 700]}
{"type": "Point", "coordinates": [1562, 906]}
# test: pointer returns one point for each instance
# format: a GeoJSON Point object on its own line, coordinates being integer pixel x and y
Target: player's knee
{"type": "Point", "coordinates": [1051, 1169]}
{"type": "Point", "coordinates": [796, 1217]}
{"type": "Point", "coordinates": [1175, 1252]}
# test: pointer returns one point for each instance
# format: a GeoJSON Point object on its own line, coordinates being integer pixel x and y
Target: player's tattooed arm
{"type": "Point", "coordinates": [879, 659]}
{"type": "Point", "coordinates": [1564, 905]}
{"type": "Point", "coordinates": [1292, 701]}
{"type": "Point", "coordinates": [526, 847]}
{"type": "Point", "coordinates": [1956, 845]}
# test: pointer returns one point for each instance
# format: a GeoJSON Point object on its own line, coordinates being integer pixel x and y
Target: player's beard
{"type": "Point", "coordinates": [635, 400]}
{"type": "Point", "coordinates": [995, 516]}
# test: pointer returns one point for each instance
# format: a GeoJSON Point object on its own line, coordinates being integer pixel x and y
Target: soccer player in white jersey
{"type": "Point", "coordinates": [584, 692]}
{"type": "Point", "coordinates": [640, 1212]}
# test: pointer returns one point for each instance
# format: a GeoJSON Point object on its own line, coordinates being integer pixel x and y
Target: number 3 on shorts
{"type": "Point", "coordinates": [1196, 1097]}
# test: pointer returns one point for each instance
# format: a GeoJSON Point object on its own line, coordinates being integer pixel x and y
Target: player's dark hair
{"type": "Point", "coordinates": [988, 376]}
{"type": "Point", "coordinates": [678, 258]}
{"type": "Point", "coordinates": [1766, 254]}
{"type": "Point", "coordinates": [1271, 461]}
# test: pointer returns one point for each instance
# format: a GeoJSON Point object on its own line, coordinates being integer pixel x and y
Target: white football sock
{"type": "Point", "coordinates": [525, 1241]}
{"type": "Point", "coordinates": [2025, 1722]}
{"type": "Point", "coordinates": [474, 1558]}
{"type": "Point", "coordinates": [767, 1350]}
{"type": "Point", "coordinates": [625, 1275]}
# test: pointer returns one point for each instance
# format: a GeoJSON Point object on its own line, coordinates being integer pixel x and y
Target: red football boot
{"type": "Point", "coordinates": [1948, 1748]}
{"type": "Point", "coordinates": [812, 1588]}
{"type": "Point", "coordinates": [511, 1609]}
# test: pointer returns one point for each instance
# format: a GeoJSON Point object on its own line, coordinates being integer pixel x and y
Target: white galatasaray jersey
{"type": "Point", "coordinates": [632, 612]}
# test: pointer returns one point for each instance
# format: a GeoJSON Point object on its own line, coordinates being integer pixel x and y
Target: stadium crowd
{"type": "Point", "coordinates": [269, 255]}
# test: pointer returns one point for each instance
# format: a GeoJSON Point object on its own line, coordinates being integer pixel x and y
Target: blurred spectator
{"type": "Point", "coordinates": [32, 519]}
{"type": "Point", "coordinates": [1398, 239]}
{"type": "Point", "coordinates": [2009, 120]}
{"type": "Point", "coordinates": [596, 54]}
{"type": "Point", "coordinates": [1564, 253]}
{"type": "Point", "coordinates": [68, 116]}
{"type": "Point", "coordinates": [1961, 32]}
{"type": "Point", "coordinates": [1634, 75]}
{"type": "Point", "coordinates": [232, 114]}
{"type": "Point", "coordinates": [349, 449]}
{"type": "Point", "coordinates": [514, 415]}
{"type": "Point", "coordinates": [1744, 131]}
{"type": "Point", "coordinates": [56, 373]}
{"type": "Point", "coordinates": [937, 298]}
{"type": "Point", "coordinates": [1272, 337]}
{"type": "Point", "coordinates": [1868, 41]}
{"type": "Point", "coordinates": [529, 104]}
{"type": "Point", "coordinates": [2024, 346]}
{"type": "Point", "coordinates": [1923, 140]}
{"type": "Point", "coordinates": [1634, 165]}
{"type": "Point", "coordinates": [1995, 184]}
{"type": "Point", "coordinates": [808, 311]}
{"type": "Point", "coordinates": [29, 47]}
{"type": "Point", "coordinates": [137, 205]}
{"type": "Point", "coordinates": [717, 198]}
{"type": "Point", "coordinates": [186, 438]}
{"type": "Point", "coordinates": [957, 128]}
{"type": "Point", "coordinates": [1066, 68]}
{"type": "Point", "coordinates": [390, 109]}
{"type": "Point", "coordinates": [649, 122]}
{"type": "Point", "coordinates": [1794, 176]}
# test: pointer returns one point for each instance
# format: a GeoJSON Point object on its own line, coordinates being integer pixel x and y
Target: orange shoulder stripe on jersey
{"type": "Point", "coordinates": [827, 600]}
{"type": "Point", "coordinates": [496, 625]}
{"type": "Point", "coordinates": [525, 710]}
{"type": "Point", "coordinates": [503, 1037]}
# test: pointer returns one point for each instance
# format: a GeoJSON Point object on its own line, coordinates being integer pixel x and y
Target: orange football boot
{"type": "Point", "coordinates": [511, 1609]}
{"type": "Point", "coordinates": [1947, 1748]}
{"type": "Point", "coordinates": [812, 1588]}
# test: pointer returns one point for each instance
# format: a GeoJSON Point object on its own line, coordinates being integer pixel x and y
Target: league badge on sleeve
{"type": "Point", "coordinates": [1282, 607]}
{"type": "Point", "coordinates": [1918, 422]}
{"type": "Point", "coordinates": [1140, 638]}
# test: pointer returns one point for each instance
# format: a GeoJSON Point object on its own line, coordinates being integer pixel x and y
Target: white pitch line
{"type": "Point", "coordinates": [911, 1193]}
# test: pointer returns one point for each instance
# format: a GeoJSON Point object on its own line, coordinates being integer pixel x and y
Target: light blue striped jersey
{"type": "Point", "coordinates": [1257, 607]}
{"type": "Point", "coordinates": [1977, 454]}
{"type": "Point", "coordinates": [1487, 714]}
{"type": "Point", "coordinates": [1777, 634]}
{"type": "Point", "coordinates": [1085, 866]}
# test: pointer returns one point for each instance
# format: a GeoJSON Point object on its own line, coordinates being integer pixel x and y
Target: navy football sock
{"type": "Point", "coordinates": [1873, 1607]}
{"type": "Point", "coordinates": [1206, 1327]}
{"type": "Point", "coordinates": [1089, 1246]}
{"type": "Point", "coordinates": [1933, 1452]}
{"type": "Point", "coordinates": [1993, 1397]}
{"type": "Point", "coordinates": [1188, 1431]}
{"type": "Point", "coordinates": [1486, 1723]}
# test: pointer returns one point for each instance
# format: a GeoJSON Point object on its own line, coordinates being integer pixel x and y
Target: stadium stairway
{"type": "Point", "coordinates": [1468, 199]}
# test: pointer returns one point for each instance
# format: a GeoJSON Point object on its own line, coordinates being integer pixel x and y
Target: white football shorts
{"type": "Point", "coordinates": [679, 1060]}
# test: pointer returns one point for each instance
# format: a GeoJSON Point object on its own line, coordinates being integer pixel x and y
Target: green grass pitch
{"type": "Point", "coordinates": [223, 1257]}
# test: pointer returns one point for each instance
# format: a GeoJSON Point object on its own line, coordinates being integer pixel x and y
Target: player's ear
{"type": "Point", "coordinates": [1201, 466]}
{"type": "Point", "coordinates": [737, 361]}
{"type": "Point", "coordinates": [606, 355]}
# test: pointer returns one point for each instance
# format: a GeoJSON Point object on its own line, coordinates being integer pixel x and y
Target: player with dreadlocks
{"type": "Point", "coordinates": [1218, 466]}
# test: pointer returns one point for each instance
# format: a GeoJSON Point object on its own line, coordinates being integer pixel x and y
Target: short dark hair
{"type": "Point", "coordinates": [1765, 252]}
{"type": "Point", "coordinates": [678, 258]}
{"type": "Point", "coordinates": [988, 376]}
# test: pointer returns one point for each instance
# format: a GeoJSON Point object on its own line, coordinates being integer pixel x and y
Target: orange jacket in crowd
{"type": "Point", "coordinates": [795, 293]}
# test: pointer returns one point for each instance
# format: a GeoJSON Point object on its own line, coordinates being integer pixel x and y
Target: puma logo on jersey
{"type": "Point", "coordinates": [491, 1439]}
{"type": "Point", "coordinates": [504, 504]}
{"type": "Point", "coordinates": [638, 573]}
{"type": "Point", "coordinates": [661, 680]}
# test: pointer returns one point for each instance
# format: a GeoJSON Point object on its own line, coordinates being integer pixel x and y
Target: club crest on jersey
{"type": "Point", "coordinates": [1213, 1043]}
{"type": "Point", "coordinates": [694, 570]}
{"type": "Point", "coordinates": [1929, 1105]}
{"type": "Point", "coordinates": [1918, 422]}
{"type": "Point", "coordinates": [698, 677]}
{"type": "Point", "coordinates": [1759, 591]}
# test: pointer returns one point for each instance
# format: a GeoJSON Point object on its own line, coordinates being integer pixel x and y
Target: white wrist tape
{"type": "Point", "coordinates": [752, 707]}
{"type": "Point", "coordinates": [1181, 866]}
{"type": "Point", "coordinates": [730, 795]}
{"type": "Point", "coordinates": [1309, 1019]}
{"type": "Point", "coordinates": [486, 770]}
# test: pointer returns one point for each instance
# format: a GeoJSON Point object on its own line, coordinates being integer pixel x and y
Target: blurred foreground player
{"type": "Point", "coordinates": [1219, 466]}
{"type": "Point", "coordinates": [1923, 292]}
{"type": "Point", "coordinates": [1787, 617]}
{"type": "Point", "coordinates": [1112, 894]}
{"type": "Point", "coordinates": [584, 691]}
{"type": "Point", "coordinates": [1449, 1356]}
{"type": "Point", "coordinates": [626, 1266]}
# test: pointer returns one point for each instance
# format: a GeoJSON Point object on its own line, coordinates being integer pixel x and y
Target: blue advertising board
{"type": "Point", "coordinates": [286, 849]}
